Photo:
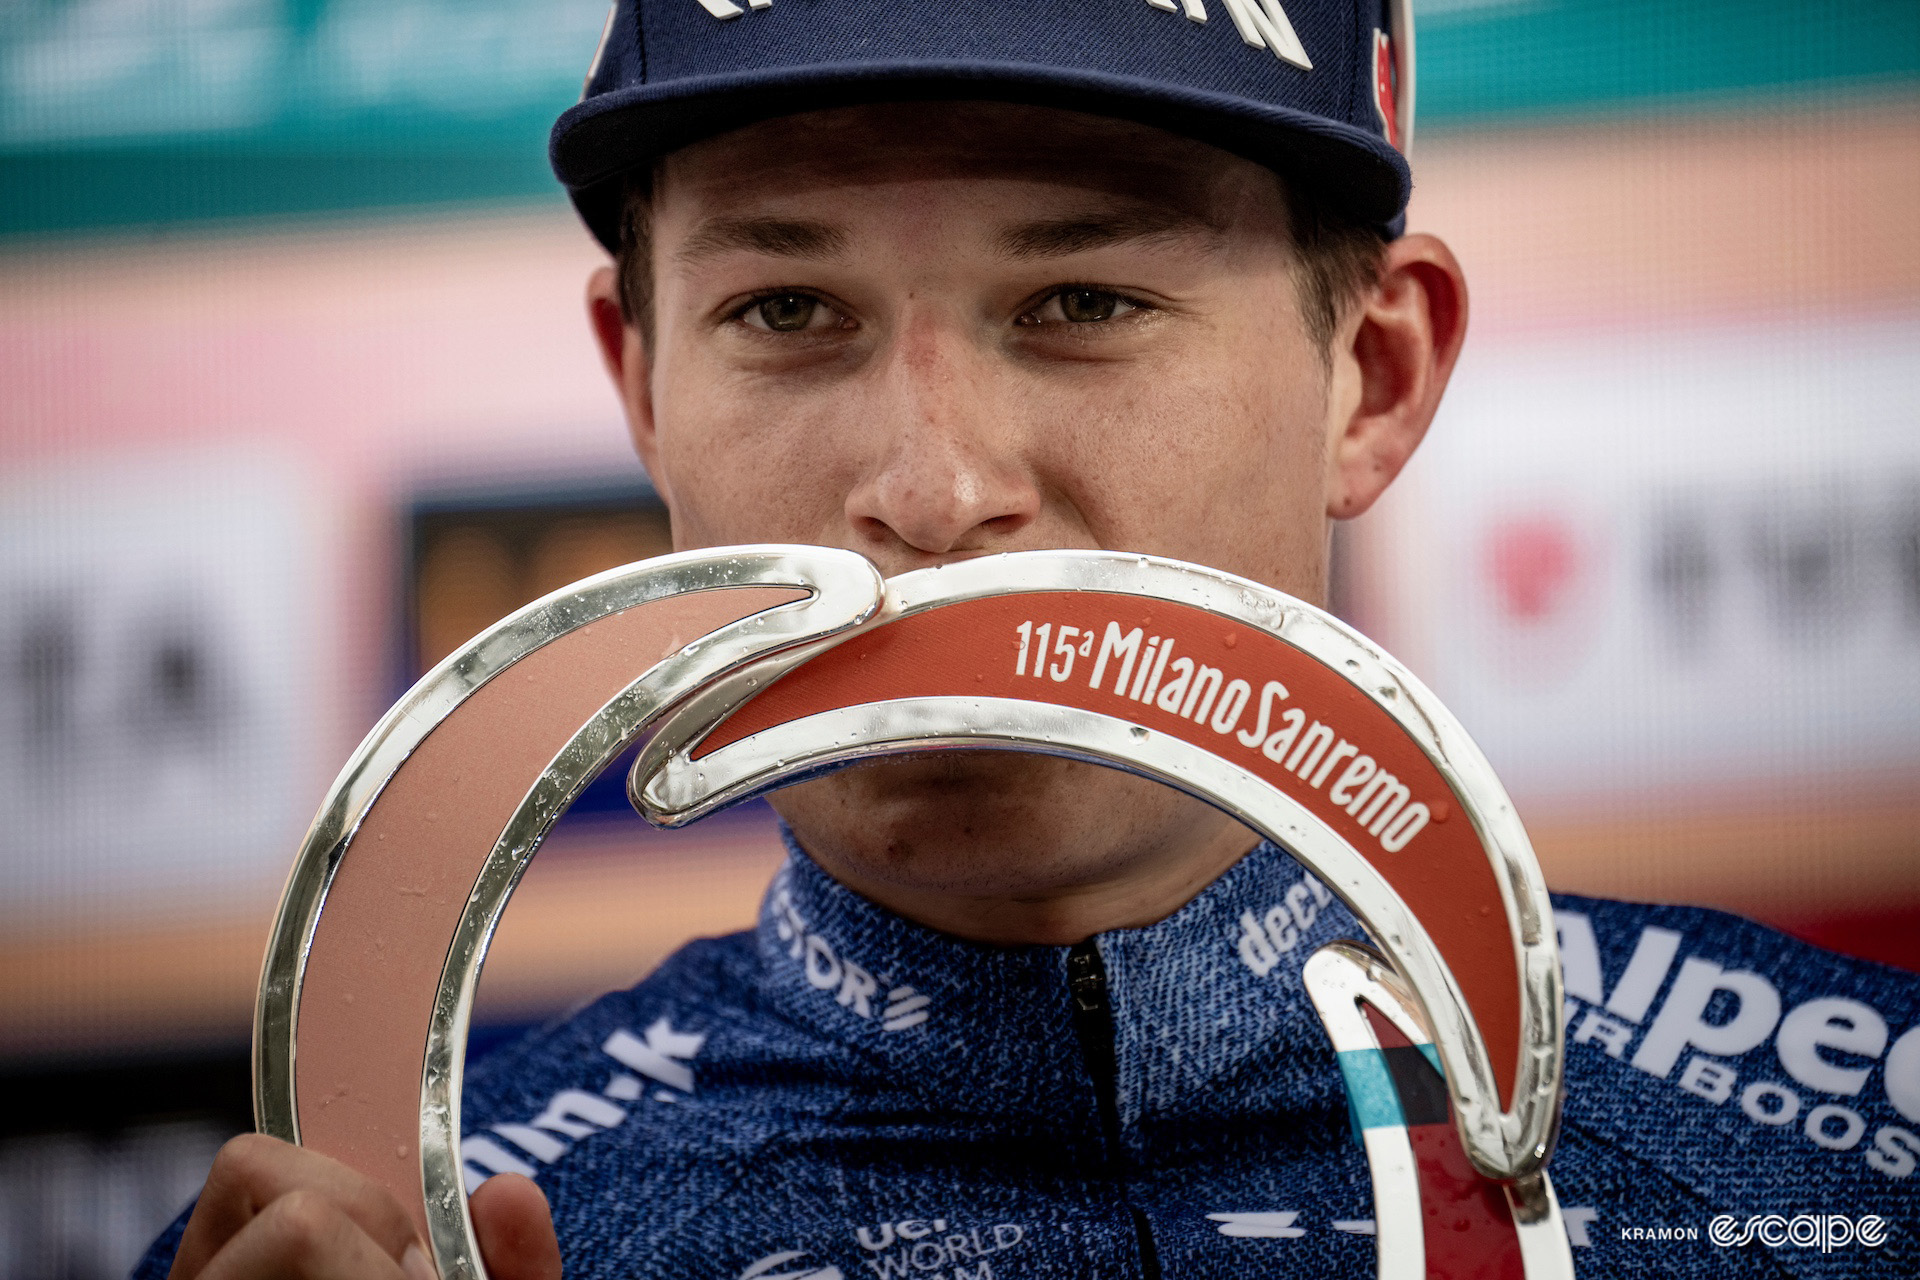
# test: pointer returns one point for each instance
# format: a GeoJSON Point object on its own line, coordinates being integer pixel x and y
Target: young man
{"type": "Point", "coordinates": [932, 284]}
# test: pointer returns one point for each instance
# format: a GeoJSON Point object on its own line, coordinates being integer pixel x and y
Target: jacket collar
{"type": "Point", "coordinates": [1207, 1002]}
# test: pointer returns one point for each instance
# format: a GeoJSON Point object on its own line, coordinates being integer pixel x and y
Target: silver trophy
{"type": "Point", "coordinates": [744, 668]}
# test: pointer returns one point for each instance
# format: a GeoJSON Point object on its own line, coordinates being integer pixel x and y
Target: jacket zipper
{"type": "Point", "coordinates": [1093, 1021]}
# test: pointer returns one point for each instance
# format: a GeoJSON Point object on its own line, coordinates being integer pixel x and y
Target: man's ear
{"type": "Point", "coordinates": [1391, 363]}
{"type": "Point", "coordinates": [623, 350]}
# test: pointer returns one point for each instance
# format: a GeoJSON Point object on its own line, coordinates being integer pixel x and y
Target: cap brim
{"type": "Point", "coordinates": [598, 142]}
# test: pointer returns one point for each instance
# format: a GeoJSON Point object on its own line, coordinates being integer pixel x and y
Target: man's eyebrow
{"type": "Point", "coordinates": [1058, 237]}
{"type": "Point", "coordinates": [775, 237]}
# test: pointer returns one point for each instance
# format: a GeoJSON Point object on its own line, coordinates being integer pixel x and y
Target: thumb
{"type": "Point", "coordinates": [515, 1229]}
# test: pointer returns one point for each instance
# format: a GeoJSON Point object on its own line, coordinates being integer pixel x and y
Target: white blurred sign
{"type": "Point", "coordinates": [1641, 563]}
{"type": "Point", "coordinates": [157, 656]}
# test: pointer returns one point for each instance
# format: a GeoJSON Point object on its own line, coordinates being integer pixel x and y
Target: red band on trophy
{"type": "Point", "coordinates": [1465, 1223]}
{"type": "Point", "coordinates": [1228, 689]}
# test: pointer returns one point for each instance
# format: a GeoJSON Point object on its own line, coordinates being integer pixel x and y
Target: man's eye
{"type": "Point", "coordinates": [787, 313]}
{"type": "Point", "coordinates": [1079, 306]}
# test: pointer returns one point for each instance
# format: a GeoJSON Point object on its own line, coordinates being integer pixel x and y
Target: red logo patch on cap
{"type": "Point", "coordinates": [1385, 82]}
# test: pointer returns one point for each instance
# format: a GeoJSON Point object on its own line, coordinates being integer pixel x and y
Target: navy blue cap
{"type": "Point", "coordinates": [1318, 89]}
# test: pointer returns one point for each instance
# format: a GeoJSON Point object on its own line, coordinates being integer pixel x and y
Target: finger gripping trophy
{"type": "Point", "coordinates": [742, 669]}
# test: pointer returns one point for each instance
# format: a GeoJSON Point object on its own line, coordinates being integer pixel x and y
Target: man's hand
{"type": "Point", "coordinates": [274, 1210]}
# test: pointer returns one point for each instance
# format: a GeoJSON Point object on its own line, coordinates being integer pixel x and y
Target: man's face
{"type": "Point", "coordinates": [927, 333]}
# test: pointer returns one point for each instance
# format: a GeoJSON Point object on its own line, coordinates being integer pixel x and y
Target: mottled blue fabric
{"type": "Point", "coordinates": [841, 1093]}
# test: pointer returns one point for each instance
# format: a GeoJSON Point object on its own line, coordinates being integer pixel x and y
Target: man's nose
{"type": "Point", "coordinates": [947, 474]}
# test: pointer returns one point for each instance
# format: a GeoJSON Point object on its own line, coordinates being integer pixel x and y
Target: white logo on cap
{"type": "Point", "coordinates": [727, 9]}
{"type": "Point", "coordinates": [1262, 24]}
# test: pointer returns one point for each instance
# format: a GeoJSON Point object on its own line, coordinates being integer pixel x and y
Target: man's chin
{"type": "Point", "coordinates": [983, 822]}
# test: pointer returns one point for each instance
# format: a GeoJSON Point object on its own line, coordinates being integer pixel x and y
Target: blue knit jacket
{"type": "Point", "coordinates": [840, 1094]}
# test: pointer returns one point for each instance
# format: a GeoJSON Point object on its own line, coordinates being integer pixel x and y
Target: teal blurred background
{"type": "Point", "coordinates": [115, 114]}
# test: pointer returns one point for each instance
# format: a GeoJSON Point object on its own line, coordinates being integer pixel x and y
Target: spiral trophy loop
{"type": "Point", "coordinates": [741, 669]}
